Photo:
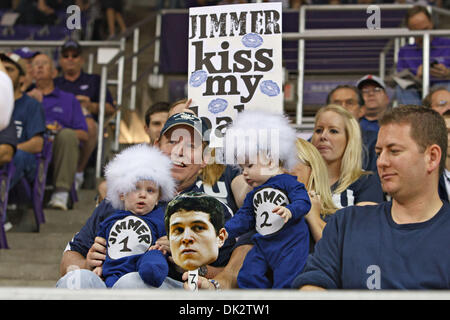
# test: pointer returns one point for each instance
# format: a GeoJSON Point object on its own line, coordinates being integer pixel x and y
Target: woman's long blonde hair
{"type": "Point", "coordinates": [351, 162]}
{"type": "Point", "coordinates": [318, 180]}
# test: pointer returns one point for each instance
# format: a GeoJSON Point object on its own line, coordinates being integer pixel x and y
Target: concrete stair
{"type": "Point", "coordinates": [33, 258]}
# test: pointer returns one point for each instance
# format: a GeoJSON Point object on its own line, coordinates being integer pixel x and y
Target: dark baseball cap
{"type": "Point", "coordinates": [186, 118]}
{"type": "Point", "coordinates": [26, 53]}
{"type": "Point", "coordinates": [71, 45]}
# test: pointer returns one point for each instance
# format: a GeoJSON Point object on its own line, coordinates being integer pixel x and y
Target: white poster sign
{"type": "Point", "coordinates": [235, 61]}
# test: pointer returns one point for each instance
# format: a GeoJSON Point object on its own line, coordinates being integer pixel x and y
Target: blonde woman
{"type": "Point", "coordinates": [337, 137]}
{"type": "Point", "coordinates": [312, 172]}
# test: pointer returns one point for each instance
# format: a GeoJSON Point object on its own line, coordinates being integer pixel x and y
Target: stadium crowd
{"type": "Point", "coordinates": [375, 178]}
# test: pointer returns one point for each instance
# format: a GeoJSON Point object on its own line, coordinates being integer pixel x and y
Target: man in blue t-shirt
{"type": "Point", "coordinates": [86, 87]}
{"type": "Point", "coordinates": [28, 116]}
{"type": "Point", "coordinates": [394, 245]}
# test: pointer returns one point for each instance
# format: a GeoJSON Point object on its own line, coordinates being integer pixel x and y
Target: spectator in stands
{"type": "Point", "coordinates": [410, 57]}
{"type": "Point", "coordinates": [155, 117]}
{"type": "Point", "coordinates": [29, 119]}
{"type": "Point", "coordinates": [337, 136]}
{"type": "Point", "coordinates": [65, 118]}
{"type": "Point", "coordinates": [42, 12]}
{"type": "Point", "coordinates": [86, 88]}
{"type": "Point", "coordinates": [28, 55]}
{"type": "Point", "coordinates": [444, 178]}
{"type": "Point", "coordinates": [86, 251]}
{"type": "Point", "coordinates": [438, 99]}
{"type": "Point", "coordinates": [376, 101]}
{"type": "Point", "coordinates": [114, 13]}
{"type": "Point", "coordinates": [7, 100]}
{"type": "Point", "coordinates": [351, 99]}
{"type": "Point", "coordinates": [398, 244]}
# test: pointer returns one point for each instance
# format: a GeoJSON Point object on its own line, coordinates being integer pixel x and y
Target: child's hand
{"type": "Point", "coordinates": [283, 212]}
{"type": "Point", "coordinates": [98, 271]}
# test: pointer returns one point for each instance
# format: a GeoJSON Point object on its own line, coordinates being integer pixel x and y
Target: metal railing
{"type": "Point", "coordinates": [326, 34]}
{"type": "Point", "coordinates": [120, 58]}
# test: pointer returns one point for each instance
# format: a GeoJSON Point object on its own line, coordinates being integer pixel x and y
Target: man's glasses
{"type": "Point", "coordinates": [374, 90]}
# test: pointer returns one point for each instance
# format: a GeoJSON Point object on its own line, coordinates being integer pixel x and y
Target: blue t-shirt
{"type": "Point", "coordinates": [221, 190]}
{"type": "Point", "coordinates": [128, 238]}
{"type": "Point", "coordinates": [369, 157]}
{"type": "Point", "coordinates": [363, 248]}
{"type": "Point", "coordinates": [369, 125]}
{"type": "Point", "coordinates": [282, 189]}
{"type": "Point", "coordinates": [9, 135]}
{"type": "Point", "coordinates": [366, 188]}
{"type": "Point", "coordinates": [28, 117]}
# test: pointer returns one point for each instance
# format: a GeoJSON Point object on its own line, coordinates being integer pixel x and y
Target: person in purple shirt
{"type": "Point", "coordinates": [410, 56]}
{"type": "Point", "coordinates": [65, 118]}
{"type": "Point", "coordinates": [86, 87]}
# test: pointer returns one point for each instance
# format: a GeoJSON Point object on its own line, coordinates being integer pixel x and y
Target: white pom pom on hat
{"type": "Point", "coordinates": [138, 162]}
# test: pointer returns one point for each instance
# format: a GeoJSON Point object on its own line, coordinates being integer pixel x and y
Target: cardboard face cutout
{"type": "Point", "coordinates": [193, 239]}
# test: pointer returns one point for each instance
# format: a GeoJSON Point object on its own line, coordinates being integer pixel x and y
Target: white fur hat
{"type": "Point", "coordinates": [138, 162]}
{"type": "Point", "coordinates": [254, 132]}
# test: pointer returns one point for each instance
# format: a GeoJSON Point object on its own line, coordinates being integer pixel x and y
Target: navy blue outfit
{"type": "Point", "coordinates": [128, 238]}
{"type": "Point", "coordinates": [369, 158]}
{"type": "Point", "coordinates": [369, 125]}
{"type": "Point", "coordinates": [279, 248]}
{"type": "Point", "coordinates": [363, 248]}
{"type": "Point", "coordinates": [9, 136]}
{"type": "Point", "coordinates": [29, 118]}
{"type": "Point", "coordinates": [366, 188]}
{"type": "Point", "coordinates": [87, 85]}
{"type": "Point", "coordinates": [84, 239]}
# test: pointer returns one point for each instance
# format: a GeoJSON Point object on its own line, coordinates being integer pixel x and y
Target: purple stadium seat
{"type": "Point", "coordinates": [52, 33]}
{"type": "Point", "coordinates": [6, 173]}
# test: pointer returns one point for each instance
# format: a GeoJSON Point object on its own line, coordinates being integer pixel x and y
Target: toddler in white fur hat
{"type": "Point", "coordinates": [263, 144]}
{"type": "Point", "coordinates": [137, 179]}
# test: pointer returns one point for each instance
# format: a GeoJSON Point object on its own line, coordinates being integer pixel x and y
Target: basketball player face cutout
{"type": "Point", "coordinates": [193, 239]}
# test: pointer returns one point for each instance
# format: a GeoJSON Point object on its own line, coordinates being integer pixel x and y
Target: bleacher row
{"type": "Point", "coordinates": [58, 31]}
{"type": "Point", "coordinates": [347, 58]}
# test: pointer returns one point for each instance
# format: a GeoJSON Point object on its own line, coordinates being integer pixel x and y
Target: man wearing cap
{"type": "Point", "coordinates": [182, 140]}
{"type": "Point", "coordinates": [27, 55]}
{"type": "Point", "coordinates": [376, 101]}
{"type": "Point", "coordinates": [351, 99]}
{"type": "Point", "coordinates": [65, 118]}
{"type": "Point", "coordinates": [86, 87]}
{"type": "Point", "coordinates": [29, 119]}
